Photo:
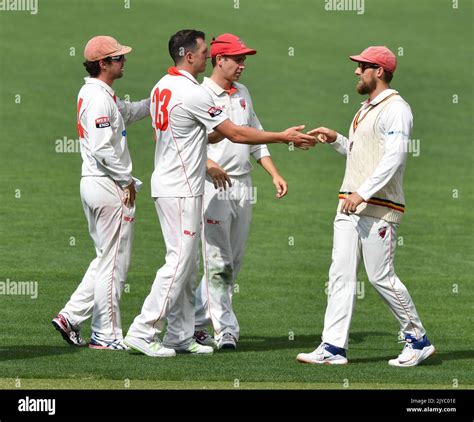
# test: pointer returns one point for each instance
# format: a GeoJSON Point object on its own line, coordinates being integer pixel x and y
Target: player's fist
{"type": "Point", "coordinates": [324, 135]}
{"type": "Point", "coordinates": [129, 194]}
{"type": "Point", "coordinates": [218, 175]}
{"type": "Point", "coordinates": [298, 139]}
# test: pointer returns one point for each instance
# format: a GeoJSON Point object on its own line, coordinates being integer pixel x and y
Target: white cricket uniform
{"type": "Point", "coordinates": [182, 112]}
{"type": "Point", "coordinates": [106, 169]}
{"type": "Point", "coordinates": [227, 214]}
{"type": "Point", "coordinates": [368, 237]}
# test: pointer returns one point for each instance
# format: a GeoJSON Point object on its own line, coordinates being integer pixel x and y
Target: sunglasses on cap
{"type": "Point", "coordinates": [364, 66]}
{"type": "Point", "coordinates": [117, 58]}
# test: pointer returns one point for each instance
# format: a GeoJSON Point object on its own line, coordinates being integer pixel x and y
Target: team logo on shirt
{"type": "Point", "coordinates": [215, 111]}
{"type": "Point", "coordinates": [189, 233]}
{"type": "Point", "coordinates": [102, 122]}
{"type": "Point", "coordinates": [243, 104]}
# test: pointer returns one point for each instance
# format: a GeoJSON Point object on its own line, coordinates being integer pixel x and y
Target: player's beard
{"type": "Point", "coordinates": [364, 87]}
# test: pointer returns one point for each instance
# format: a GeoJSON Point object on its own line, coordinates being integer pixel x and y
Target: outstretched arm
{"type": "Point", "coordinates": [329, 136]}
{"type": "Point", "coordinates": [252, 136]}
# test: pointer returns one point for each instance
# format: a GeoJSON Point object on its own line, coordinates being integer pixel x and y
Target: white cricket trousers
{"type": "Point", "coordinates": [175, 282]}
{"type": "Point", "coordinates": [374, 240]}
{"type": "Point", "coordinates": [111, 226]}
{"type": "Point", "coordinates": [227, 218]}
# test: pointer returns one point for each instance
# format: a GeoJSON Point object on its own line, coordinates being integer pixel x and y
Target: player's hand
{"type": "Point", "coordinates": [351, 202]}
{"type": "Point", "coordinates": [129, 194]}
{"type": "Point", "coordinates": [281, 186]}
{"type": "Point", "coordinates": [298, 139]}
{"type": "Point", "coordinates": [219, 176]}
{"type": "Point", "coordinates": [324, 135]}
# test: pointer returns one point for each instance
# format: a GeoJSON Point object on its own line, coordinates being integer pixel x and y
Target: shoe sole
{"type": "Point", "coordinates": [324, 362]}
{"type": "Point", "coordinates": [228, 347]}
{"type": "Point", "coordinates": [212, 344]}
{"type": "Point", "coordinates": [99, 347]}
{"type": "Point", "coordinates": [137, 348]}
{"type": "Point", "coordinates": [64, 334]}
{"type": "Point", "coordinates": [187, 352]}
{"type": "Point", "coordinates": [430, 352]}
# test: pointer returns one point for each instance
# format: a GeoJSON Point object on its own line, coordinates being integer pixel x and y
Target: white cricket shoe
{"type": "Point", "coordinates": [414, 352]}
{"type": "Point", "coordinates": [227, 341]}
{"type": "Point", "coordinates": [197, 349]}
{"type": "Point", "coordinates": [149, 348]}
{"type": "Point", "coordinates": [70, 333]}
{"type": "Point", "coordinates": [203, 337]}
{"type": "Point", "coordinates": [325, 354]}
{"type": "Point", "coordinates": [100, 344]}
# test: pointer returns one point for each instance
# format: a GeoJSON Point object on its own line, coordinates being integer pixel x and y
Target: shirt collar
{"type": "Point", "coordinates": [96, 81]}
{"type": "Point", "coordinates": [174, 71]}
{"type": "Point", "coordinates": [218, 90]}
{"type": "Point", "coordinates": [384, 94]}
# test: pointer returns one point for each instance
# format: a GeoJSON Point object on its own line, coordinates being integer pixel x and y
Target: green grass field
{"type": "Point", "coordinates": [281, 299]}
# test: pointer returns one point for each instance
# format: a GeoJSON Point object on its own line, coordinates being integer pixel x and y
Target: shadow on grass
{"type": "Point", "coordinates": [437, 359]}
{"type": "Point", "coordinates": [260, 343]}
{"type": "Point", "coordinates": [306, 343]}
{"type": "Point", "coordinates": [34, 351]}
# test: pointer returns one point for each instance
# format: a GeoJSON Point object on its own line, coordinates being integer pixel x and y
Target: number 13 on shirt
{"type": "Point", "coordinates": [159, 108]}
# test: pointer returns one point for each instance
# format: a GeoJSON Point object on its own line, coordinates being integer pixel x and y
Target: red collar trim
{"type": "Point", "coordinates": [174, 71]}
{"type": "Point", "coordinates": [231, 91]}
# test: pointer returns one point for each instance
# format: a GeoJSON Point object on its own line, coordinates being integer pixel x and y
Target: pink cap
{"type": "Point", "coordinates": [229, 45]}
{"type": "Point", "coordinates": [380, 55]}
{"type": "Point", "coordinates": [103, 46]}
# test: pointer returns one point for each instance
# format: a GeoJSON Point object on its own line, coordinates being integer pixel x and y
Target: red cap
{"type": "Point", "coordinates": [229, 45]}
{"type": "Point", "coordinates": [380, 55]}
{"type": "Point", "coordinates": [103, 46]}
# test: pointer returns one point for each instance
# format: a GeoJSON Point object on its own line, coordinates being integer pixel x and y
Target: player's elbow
{"type": "Point", "coordinates": [238, 135]}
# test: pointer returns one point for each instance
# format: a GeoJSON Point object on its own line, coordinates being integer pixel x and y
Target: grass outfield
{"type": "Point", "coordinates": [281, 299]}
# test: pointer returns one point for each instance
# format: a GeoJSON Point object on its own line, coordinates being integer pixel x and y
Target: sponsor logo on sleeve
{"type": "Point", "coordinates": [215, 111]}
{"type": "Point", "coordinates": [102, 122]}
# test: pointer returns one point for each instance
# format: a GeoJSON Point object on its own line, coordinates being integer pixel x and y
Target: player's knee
{"type": "Point", "coordinates": [221, 275]}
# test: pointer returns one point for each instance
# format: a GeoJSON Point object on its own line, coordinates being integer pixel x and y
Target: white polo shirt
{"type": "Point", "coordinates": [101, 120]}
{"type": "Point", "coordinates": [182, 113]}
{"type": "Point", "coordinates": [234, 158]}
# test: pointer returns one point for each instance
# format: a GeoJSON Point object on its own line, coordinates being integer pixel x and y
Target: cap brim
{"type": "Point", "coordinates": [243, 51]}
{"type": "Point", "coordinates": [360, 59]}
{"type": "Point", "coordinates": [124, 50]}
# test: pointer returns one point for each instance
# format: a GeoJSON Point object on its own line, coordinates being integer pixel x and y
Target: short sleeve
{"type": "Point", "coordinates": [201, 105]}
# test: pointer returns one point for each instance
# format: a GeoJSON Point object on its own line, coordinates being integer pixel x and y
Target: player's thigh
{"type": "Point", "coordinates": [103, 206]}
{"type": "Point", "coordinates": [378, 246]}
{"type": "Point", "coordinates": [346, 248]}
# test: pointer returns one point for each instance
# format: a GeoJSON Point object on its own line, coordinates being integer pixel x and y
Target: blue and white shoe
{"type": "Point", "coordinates": [100, 344]}
{"type": "Point", "coordinates": [414, 352]}
{"type": "Point", "coordinates": [325, 354]}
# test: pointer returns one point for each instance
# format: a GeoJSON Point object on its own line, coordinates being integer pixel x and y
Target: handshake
{"type": "Point", "coordinates": [309, 139]}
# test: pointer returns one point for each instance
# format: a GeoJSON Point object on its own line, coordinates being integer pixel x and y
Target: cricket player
{"type": "Point", "coordinates": [228, 212]}
{"type": "Point", "coordinates": [371, 206]}
{"type": "Point", "coordinates": [183, 112]}
{"type": "Point", "coordinates": [108, 197]}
